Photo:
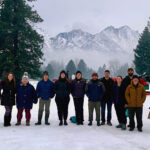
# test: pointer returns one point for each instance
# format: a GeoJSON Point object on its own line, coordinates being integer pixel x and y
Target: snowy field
{"type": "Point", "coordinates": [72, 137]}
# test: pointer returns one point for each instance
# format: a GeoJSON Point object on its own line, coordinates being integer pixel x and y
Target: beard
{"type": "Point", "coordinates": [130, 74]}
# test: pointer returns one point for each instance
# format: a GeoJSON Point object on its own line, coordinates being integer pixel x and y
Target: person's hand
{"type": "Point", "coordinates": [126, 105]}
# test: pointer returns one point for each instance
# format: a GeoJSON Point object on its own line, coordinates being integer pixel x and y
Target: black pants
{"type": "Point", "coordinates": [78, 103]}
{"type": "Point", "coordinates": [62, 106]}
{"type": "Point", "coordinates": [121, 113]}
{"type": "Point", "coordinates": [138, 111]}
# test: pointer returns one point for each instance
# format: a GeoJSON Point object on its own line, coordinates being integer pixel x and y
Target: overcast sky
{"type": "Point", "coordinates": [92, 15]}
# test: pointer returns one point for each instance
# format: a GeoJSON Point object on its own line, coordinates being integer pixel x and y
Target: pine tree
{"type": "Point", "coordinates": [142, 53]}
{"type": "Point", "coordinates": [20, 44]}
{"type": "Point", "coordinates": [83, 68]}
{"type": "Point", "coordinates": [70, 68]}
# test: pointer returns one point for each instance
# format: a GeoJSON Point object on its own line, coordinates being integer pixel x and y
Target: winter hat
{"type": "Point", "coordinates": [94, 74]}
{"type": "Point", "coordinates": [45, 73]}
{"type": "Point", "coordinates": [135, 76]}
{"type": "Point", "coordinates": [63, 71]}
{"type": "Point", "coordinates": [25, 76]}
{"type": "Point", "coordinates": [78, 72]}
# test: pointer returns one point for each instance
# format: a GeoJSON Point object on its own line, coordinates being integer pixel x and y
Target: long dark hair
{"type": "Point", "coordinates": [13, 80]}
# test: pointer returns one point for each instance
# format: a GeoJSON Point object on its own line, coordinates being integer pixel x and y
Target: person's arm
{"type": "Point", "coordinates": [38, 90]}
{"type": "Point", "coordinates": [143, 94]}
{"type": "Point", "coordinates": [87, 89]}
{"type": "Point", "coordinates": [52, 90]}
{"type": "Point", "coordinates": [127, 94]}
{"type": "Point", "coordinates": [34, 96]}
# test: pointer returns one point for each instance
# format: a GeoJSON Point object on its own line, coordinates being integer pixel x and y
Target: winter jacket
{"type": "Point", "coordinates": [8, 95]}
{"type": "Point", "coordinates": [135, 96]}
{"type": "Point", "coordinates": [26, 96]}
{"type": "Point", "coordinates": [126, 81]}
{"type": "Point", "coordinates": [95, 90]}
{"type": "Point", "coordinates": [108, 84]}
{"type": "Point", "coordinates": [62, 88]}
{"type": "Point", "coordinates": [45, 90]}
{"type": "Point", "coordinates": [118, 94]}
{"type": "Point", "coordinates": [78, 88]}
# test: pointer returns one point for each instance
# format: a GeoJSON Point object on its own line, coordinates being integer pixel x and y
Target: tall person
{"type": "Point", "coordinates": [45, 92]}
{"type": "Point", "coordinates": [62, 90]}
{"type": "Point", "coordinates": [119, 103]}
{"type": "Point", "coordinates": [135, 96]}
{"type": "Point", "coordinates": [107, 99]}
{"type": "Point", "coordinates": [8, 97]}
{"type": "Point", "coordinates": [25, 97]}
{"type": "Point", "coordinates": [78, 91]}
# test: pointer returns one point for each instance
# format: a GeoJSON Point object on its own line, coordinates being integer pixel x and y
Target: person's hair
{"type": "Point", "coordinates": [13, 80]}
{"type": "Point", "coordinates": [130, 69]}
{"type": "Point", "coordinates": [119, 76]}
{"type": "Point", "coordinates": [107, 71]}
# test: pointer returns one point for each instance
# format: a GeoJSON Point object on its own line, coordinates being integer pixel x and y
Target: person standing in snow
{"type": "Point", "coordinates": [62, 90]}
{"type": "Point", "coordinates": [45, 92]}
{"type": "Point", "coordinates": [94, 91]}
{"type": "Point", "coordinates": [8, 97]}
{"type": "Point", "coordinates": [107, 98]}
{"type": "Point", "coordinates": [78, 91]}
{"type": "Point", "coordinates": [135, 95]}
{"type": "Point", "coordinates": [25, 97]}
{"type": "Point", "coordinates": [119, 103]}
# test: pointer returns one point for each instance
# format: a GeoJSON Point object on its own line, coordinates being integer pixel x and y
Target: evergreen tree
{"type": "Point", "coordinates": [20, 44]}
{"type": "Point", "coordinates": [70, 68]}
{"type": "Point", "coordinates": [50, 70]}
{"type": "Point", "coordinates": [142, 53]}
{"type": "Point", "coordinates": [83, 68]}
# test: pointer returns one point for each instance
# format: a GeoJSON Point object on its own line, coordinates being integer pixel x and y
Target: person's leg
{"type": "Point", "coordinates": [65, 109]}
{"type": "Point", "coordinates": [139, 112]}
{"type": "Point", "coordinates": [19, 116]}
{"type": "Point", "coordinates": [109, 108]}
{"type": "Point", "coordinates": [59, 108]}
{"type": "Point", "coordinates": [77, 109]}
{"type": "Point", "coordinates": [81, 110]}
{"type": "Point", "coordinates": [117, 109]}
{"type": "Point", "coordinates": [7, 115]}
{"type": "Point", "coordinates": [47, 111]}
{"type": "Point", "coordinates": [97, 109]}
{"type": "Point", "coordinates": [103, 106]}
{"type": "Point", "coordinates": [91, 109]}
{"type": "Point", "coordinates": [40, 112]}
{"type": "Point", "coordinates": [131, 117]}
{"type": "Point", "coordinates": [28, 116]}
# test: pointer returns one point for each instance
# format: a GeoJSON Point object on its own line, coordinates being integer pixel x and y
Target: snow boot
{"type": "Point", "coordinates": [18, 123]}
{"type": "Point", "coordinates": [60, 123]}
{"type": "Point", "coordinates": [27, 123]}
{"type": "Point", "coordinates": [98, 123]}
{"type": "Point", "coordinates": [123, 127]}
{"type": "Point", "coordinates": [65, 123]}
{"type": "Point", "coordinates": [90, 123]}
{"type": "Point", "coordinates": [119, 126]}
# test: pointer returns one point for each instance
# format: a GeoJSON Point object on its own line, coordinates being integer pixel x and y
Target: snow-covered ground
{"type": "Point", "coordinates": [72, 137]}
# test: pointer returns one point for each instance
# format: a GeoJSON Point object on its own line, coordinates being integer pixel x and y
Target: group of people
{"type": "Point", "coordinates": [125, 94]}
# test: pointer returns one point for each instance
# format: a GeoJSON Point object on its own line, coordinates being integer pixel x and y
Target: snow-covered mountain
{"type": "Point", "coordinates": [110, 43]}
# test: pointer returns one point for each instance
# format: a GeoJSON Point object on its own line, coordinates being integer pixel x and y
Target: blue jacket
{"type": "Point", "coordinates": [78, 88]}
{"type": "Point", "coordinates": [118, 97]}
{"type": "Point", "coordinates": [95, 90]}
{"type": "Point", "coordinates": [45, 90]}
{"type": "Point", "coordinates": [25, 96]}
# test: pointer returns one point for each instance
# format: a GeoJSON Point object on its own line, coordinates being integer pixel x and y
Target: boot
{"type": "Point", "coordinates": [109, 123]}
{"type": "Point", "coordinates": [6, 121]}
{"type": "Point", "coordinates": [90, 123]}
{"type": "Point", "coordinates": [28, 123]}
{"type": "Point", "coordinates": [102, 123]}
{"type": "Point", "coordinates": [119, 126]}
{"type": "Point", "coordinates": [18, 123]}
{"type": "Point", "coordinates": [123, 127]}
{"type": "Point", "coordinates": [140, 130]}
{"type": "Point", "coordinates": [46, 120]}
{"type": "Point", "coordinates": [65, 123]}
{"type": "Point", "coordinates": [98, 123]}
{"type": "Point", "coordinates": [39, 119]}
{"type": "Point", "coordinates": [61, 123]}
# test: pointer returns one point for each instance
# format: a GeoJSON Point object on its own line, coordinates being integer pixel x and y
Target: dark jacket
{"type": "Point", "coordinates": [118, 94]}
{"type": "Point", "coordinates": [8, 95]}
{"type": "Point", "coordinates": [26, 96]}
{"type": "Point", "coordinates": [95, 90]}
{"type": "Point", "coordinates": [45, 90]}
{"type": "Point", "coordinates": [62, 88]}
{"type": "Point", "coordinates": [125, 83]}
{"type": "Point", "coordinates": [108, 84]}
{"type": "Point", "coordinates": [135, 96]}
{"type": "Point", "coordinates": [78, 88]}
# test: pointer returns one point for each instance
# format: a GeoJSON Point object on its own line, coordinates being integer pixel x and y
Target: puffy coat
{"type": "Point", "coordinates": [45, 90]}
{"type": "Point", "coordinates": [62, 88]}
{"type": "Point", "coordinates": [8, 95]}
{"type": "Point", "coordinates": [135, 96]}
{"type": "Point", "coordinates": [95, 90]}
{"type": "Point", "coordinates": [26, 96]}
{"type": "Point", "coordinates": [78, 88]}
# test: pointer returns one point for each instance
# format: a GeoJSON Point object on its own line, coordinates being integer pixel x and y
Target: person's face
{"type": "Point", "coordinates": [79, 76]}
{"type": "Point", "coordinates": [45, 77]}
{"type": "Point", "coordinates": [119, 79]}
{"type": "Point", "coordinates": [107, 74]}
{"type": "Point", "coordinates": [94, 77]}
{"type": "Point", "coordinates": [10, 77]}
{"type": "Point", "coordinates": [62, 75]}
{"type": "Point", "coordinates": [130, 72]}
{"type": "Point", "coordinates": [24, 81]}
{"type": "Point", "coordinates": [135, 81]}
